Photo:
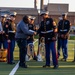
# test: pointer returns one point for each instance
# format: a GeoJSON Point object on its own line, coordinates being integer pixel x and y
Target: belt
{"type": "Point", "coordinates": [63, 30]}
{"type": "Point", "coordinates": [49, 31]}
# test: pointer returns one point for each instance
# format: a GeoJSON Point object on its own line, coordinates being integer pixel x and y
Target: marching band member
{"type": "Point", "coordinates": [11, 38]}
{"type": "Point", "coordinates": [48, 31]}
{"type": "Point", "coordinates": [63, 33]}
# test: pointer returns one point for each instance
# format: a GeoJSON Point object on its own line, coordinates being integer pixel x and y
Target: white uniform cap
{"type": "Point", "coordinates": [44, 12]}
{"type": "Point", "coordinates": [13, 14]}
{"type": "Point", "coordinates": [64, 14]}
{"type": "Point", "coordinates": [32, 18]}
{"type": "Point", "coordinates": [29, 17]}
{"type": "Point", "coordinates": [4, 15]}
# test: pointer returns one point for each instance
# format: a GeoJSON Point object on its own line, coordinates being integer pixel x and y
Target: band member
{"type": "Point", "coordinates": [48, 31]}
{"type": "Point", "coordinates": [63, 33]}
{"type": "Point", "coordinates": [11, 38]}
{"type": "Point", "coordinates": [2, 32]}
{"type": "Point", "coordinates": [30, 40]}
{"type": "Point", "coordinates": [3, 37]}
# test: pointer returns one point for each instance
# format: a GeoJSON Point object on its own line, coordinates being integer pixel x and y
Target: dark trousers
{"type": "Point", "coordinates": [58, 46]}
{"type": "Point", "coordinates": [11, 47]}
{"type": "Point", "coordinates": [63, 43]}
{"type": "Point", "coordinates": [4, 43]}
{"type": "Point", "coordinates": [51, 46]}
{"type": "Point", "coordinates": [22, 44]}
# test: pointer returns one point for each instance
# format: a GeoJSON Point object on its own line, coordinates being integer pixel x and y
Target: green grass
{"type": "Point", "coordinates": [5, 68]}
{"type": "Point", "coordinates": [35, 68]}
{"type": "Point", "coordinates": [65, 68]}
{"type": "Point", "coordinates": [72, 37]}
{"type": "Point", "coordinates": [36, 37]}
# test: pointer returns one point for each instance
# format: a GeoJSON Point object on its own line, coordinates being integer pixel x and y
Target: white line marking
{"type": "Point", "coordinates": [17, 66]}
{"type": "Point", "coordinates": [14, 69]}
{"type": "Point", "coordinates": [35, 41]}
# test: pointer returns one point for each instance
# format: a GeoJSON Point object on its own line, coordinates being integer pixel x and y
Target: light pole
{"type": "Point", "coordinates": [48, 1]}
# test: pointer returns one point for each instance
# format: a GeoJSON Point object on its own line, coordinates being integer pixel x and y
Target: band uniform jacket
{"type": "Point", "coordinates": [63, 28]}
{"type": "Point", "coordinates": [46, 30]}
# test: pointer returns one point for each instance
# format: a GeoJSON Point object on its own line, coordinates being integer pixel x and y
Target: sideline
{"type": "Point", "coordinates": [14, 69]}
{"type": "Point", "coordinates": [17, 65]}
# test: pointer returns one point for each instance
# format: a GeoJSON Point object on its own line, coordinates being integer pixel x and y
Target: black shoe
{"type": "Point", "coordinates": [55, 67]}
{"type": "Point", "coordinates": [44, 66]}
{"type": "Point", "coordinates": [22, 65]}
{"type": "Point", "coordinates": [35, 58]}
{"type": "Point", "coordinates": [11, 63]}
{"type": "Point", "coordinates": [63, 59]}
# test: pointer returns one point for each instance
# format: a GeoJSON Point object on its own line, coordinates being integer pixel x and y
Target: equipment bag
{"type": "Point", "coordinates": [3, 55]}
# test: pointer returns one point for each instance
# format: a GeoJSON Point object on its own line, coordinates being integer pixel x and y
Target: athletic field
{"type": "Point", "coordinates": [35, 68]}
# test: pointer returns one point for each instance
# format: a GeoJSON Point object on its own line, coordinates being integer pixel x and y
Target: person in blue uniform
{"type": "Point", "coordinates": [30, 39]}
{"type": "Point", "coordinates": [11, 38]}
{"type": "Point", "coordinates": [48, 30]}
{"type": "Point", "coordinates": [63, 33]}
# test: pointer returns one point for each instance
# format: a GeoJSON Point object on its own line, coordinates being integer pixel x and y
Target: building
{"type": "Point", "coordinates": [20, 12]}
{"type": "Point", "coordinates": [55, 11]}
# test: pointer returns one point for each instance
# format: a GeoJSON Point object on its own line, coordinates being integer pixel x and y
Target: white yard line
{"type": "Point", "coordinates": [17, 65]}
{"type": "Point", "coordinates": [14, 69]}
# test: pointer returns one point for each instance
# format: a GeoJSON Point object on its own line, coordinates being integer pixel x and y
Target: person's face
{"type": "Point", "coordinates": [27, 21]}
{"type": "Point", "coordinates": [32, 21]}
{"type": "Point", "coordinates": [64, 17]}
{"type": "Point", "coordinates": [12, 18]}
{"type": "Point", "coordinates": [3, 19]}
{"type": "Point", "coordinates": [44, 16]}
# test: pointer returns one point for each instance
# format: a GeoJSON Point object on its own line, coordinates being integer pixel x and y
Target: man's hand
{"type": "Point", "coordinates": [3, 32]}
{"type": "Point", "coordinates": [28, 37]}
{"type": "Point", "coordinates": [35, 33]}
{"type": "Point", "coordinates": [62, 36]}
{"type": "Point", "coordinates": [9, 41]}
{"type": "Point", "coordinates": [53, 38]}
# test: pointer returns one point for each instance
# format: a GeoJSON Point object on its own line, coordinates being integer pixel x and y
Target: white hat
{"type": "Point", "coordinates": [13, 14]}
{"type": "Point", "coordinates": [64, 14]}
{"type": "Point", "coordinates": [44, 12]}
{"type": "Point", "coordinates": [31, 17]}
{"type": "Point", "coordinates": [3, 15]}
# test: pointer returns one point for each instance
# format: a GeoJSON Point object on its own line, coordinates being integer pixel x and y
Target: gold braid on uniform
{"type": "Point", "coordinates": [13, 26]}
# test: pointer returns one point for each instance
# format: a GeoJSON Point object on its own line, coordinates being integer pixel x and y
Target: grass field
{"type": "Point", "coordinates": [35, 68]}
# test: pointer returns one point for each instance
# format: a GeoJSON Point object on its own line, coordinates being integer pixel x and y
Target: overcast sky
{"type": "Point", "coordinates": [30, 3]}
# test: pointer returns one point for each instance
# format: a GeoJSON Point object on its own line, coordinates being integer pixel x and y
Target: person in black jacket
{"type": "Point", "coordinates": [63, 33]}
{"type": "Point", "coordinates": [48, 31]}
